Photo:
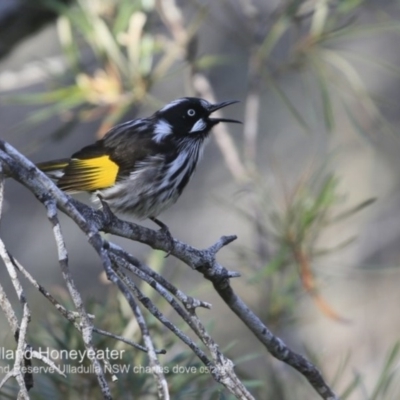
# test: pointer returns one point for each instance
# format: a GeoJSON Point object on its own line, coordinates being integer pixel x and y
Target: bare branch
{"type": "Point", "coordinates": [73, 316]}
{"type": "Point", "coordinates": [155, 280]}
{"type": "Point", "coordinates": [25, 380]}
{"type": "Point", "coordinates": [86, 321]}
{"type": "Point", "coordinates": [10, 374]}
{"type": "Point", "coordinates": [222, 368]}
{"type": "Point", "coordinates": [19, 334]}
{"type": "Point", "coordinates": [204, 261]}
{"type": "Point", "coordinates": [6, 306]}
{"type": "Point", "coordinates": [156, 368]}
{"type": "Point", "coordinates": [125, 340]}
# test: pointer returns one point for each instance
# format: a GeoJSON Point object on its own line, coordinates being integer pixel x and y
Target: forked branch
{"type": "Point", "coordinates": [117, 263]}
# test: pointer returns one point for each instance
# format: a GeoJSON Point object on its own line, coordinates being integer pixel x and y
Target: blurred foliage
{"type": "Point", "coordinates": [117, 50]}
{"type": "Point", "coordinates": [385, 387]}
{"type": "Point", "coordinates": [288, 235]}
{"type": "Point", "coordinates": [114, 56]}
{"type": "Point", "coordinates": [318, 31]}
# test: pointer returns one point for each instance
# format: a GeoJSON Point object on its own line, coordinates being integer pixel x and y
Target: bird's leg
{"type": "Point", "coordinates": [109, 215]}
{"type": "Point", "coordinates": [164, 228]}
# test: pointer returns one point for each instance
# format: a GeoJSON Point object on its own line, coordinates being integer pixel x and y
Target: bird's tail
{"type": "Point", "coordinates": [54, 169]}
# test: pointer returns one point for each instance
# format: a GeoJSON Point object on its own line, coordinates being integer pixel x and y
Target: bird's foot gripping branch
{"type": "Point", "coordinates": [118, 265]}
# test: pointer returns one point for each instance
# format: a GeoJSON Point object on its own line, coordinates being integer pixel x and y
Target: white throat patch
{"type": "Point", "coordinates": [162, 130]}
{"type": "Point", "coordinates": [198, 126]}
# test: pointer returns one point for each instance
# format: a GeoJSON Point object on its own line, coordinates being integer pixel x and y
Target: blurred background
{"type": "Point", "coordinates": [309, 182]}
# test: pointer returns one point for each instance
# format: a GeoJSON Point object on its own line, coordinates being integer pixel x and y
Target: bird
{"type": "Point", "coordinates": [141, 167]}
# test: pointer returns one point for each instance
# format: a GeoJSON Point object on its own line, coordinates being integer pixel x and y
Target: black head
{"type": "Point", "coordinates": [188, 116]}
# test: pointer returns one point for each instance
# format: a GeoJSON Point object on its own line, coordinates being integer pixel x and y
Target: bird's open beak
{"type": "Point", "coordinates": [217, 106]}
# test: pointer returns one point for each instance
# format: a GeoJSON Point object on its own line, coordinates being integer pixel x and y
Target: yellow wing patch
{"type": "Point", "coordinates": [89, 174]}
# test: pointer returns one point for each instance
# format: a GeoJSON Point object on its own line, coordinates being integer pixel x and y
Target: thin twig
{"type": "Point", "coordinates": [153, 279]}
{"type": "Point", "coordinates": [222, 368]}
{"type": "Point", "coordinates": [73, 316]}
{"type": "Point", "coordinates": [86, 321]}
{"type": "Point", "coordinates": [154, 310]}
{"type": "Point", "coordinates": [156, 369]}
{"type": "Point", "coordinates": [25, 381]}
{"type": "Point", "coordinates": [125, 340]}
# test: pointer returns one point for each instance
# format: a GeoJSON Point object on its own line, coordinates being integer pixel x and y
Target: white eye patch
{"type": "Point", "coordinates": [198, 126]}
{"type": "Point", "coordinates": [191, 112]}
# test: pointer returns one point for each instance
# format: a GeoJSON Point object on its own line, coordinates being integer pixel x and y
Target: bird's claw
{"type": "Point", "coordinates": [109, 215]}
{"type": "Point", "coordinates": [164, 229]}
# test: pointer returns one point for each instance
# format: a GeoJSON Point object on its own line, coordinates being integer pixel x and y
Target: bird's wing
{"type": "Point", "coordinates": [109, 160]}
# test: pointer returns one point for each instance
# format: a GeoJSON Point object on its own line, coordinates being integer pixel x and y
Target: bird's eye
{"type": "Point", "coordinates": [191, 112]}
